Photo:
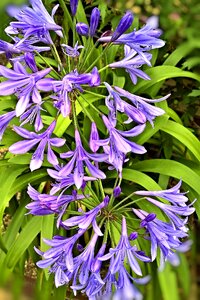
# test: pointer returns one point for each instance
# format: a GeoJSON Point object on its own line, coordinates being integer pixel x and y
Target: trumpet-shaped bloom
{"type": "Point", "coordinates": [33, 22]}
{"type": "Point", "coordinates": [44, 204]}
{"type": "Point", "coordinates": [141, 40]}
{"type": "Point", "coordinates": [72, 51]}
{"type": "Point", "coordinates": [64, 87]}
{"type": "Point", "coordinates": [162, 235]}
{"type": "Point", "coordinates": [118, 145]}
{"type": "Point", "coordinates": [81, 157]}
{"type": "Point", "coordinates": [84, 221]}
{"type": "Point", "coordinates": [60, 252]}
{"type": "Point", "coordinates": [4, 121]}
{"type": "Point", "coordinates": [144, 104]}
{"type": "Point", "coordinates": [23, 84]}
{"type": "Point", "coordinates": [124, 249]}
{"type": "Point", "coordinates": [132, 64]}
{"type": "Point", "coordinates": [33, 139]}
{"type": "Point", "coordinates": [173, 194]}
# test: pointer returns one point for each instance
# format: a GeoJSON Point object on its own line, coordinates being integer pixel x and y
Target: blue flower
{"type": "Point", "coordinates": [23, 84]}
{"type": "Point", "coordinates": [122, 250]}
{"type": "Point", "coordinates": [141, 40]}
{"type": "Point", "coordinates": [162, 235]}
{"type": "Point", "coordinates": [173, 194]}
{"type": "Point", "coordinates": [60, 252]}
{"type": "Point", "coordinates": [64, 87]}
{"type": "Point", "coordinates": [33, 22]}
{"type": "Point", "coordinates": [94, 21]}
{"type": "Point", "coordinates": [143, 104]}
{"type": "Point", "coordinates": [84, 221]}
{"type": "Point", "coordinates": [82, 29]}
{"type": "Point", "coordinates": [33, 139]}
{"type": "Point", "coordinates": [117, 146]}
{"type": "Point", "coordinates": [80, 157]}
{"type": "Point", "coordinates": [4, 121]}
{"type": "Point", "coordinates": [63, 182]}
{"type": "Point", "coordinates": [44, 204]}
{"type": "Point", "coordinates": [125, 22]}
{"type": "Point", "coordinates": [132, 64]}
{"type": "Point", "coordinates": [73, 6]}
{"type": "Point", "coordinates": [71, 51]}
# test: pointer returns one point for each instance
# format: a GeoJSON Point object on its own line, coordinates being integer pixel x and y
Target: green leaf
{"type": "Point", "coordinates": [159, 74]}
{"type": "Point", "coordinates": [25, 238]}
{"type": "Point", "coordinates": [184, 135]}
{"type": "Point", "coordinates": [168, 283]}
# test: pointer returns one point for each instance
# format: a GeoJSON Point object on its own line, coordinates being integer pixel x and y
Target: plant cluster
{"type": "Point", "coordinates": [107, 237]}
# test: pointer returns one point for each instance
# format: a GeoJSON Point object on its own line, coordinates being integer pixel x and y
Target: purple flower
{"type": "Point", "coordinates": [132, 62]}
{"type": "Point", "coordinates": [125, 22]}
{"type": "Point", "coordinates": [44, 204]}
{"type": "Point", "coordinates": [31, 115]}
{"type": "Point", "coordinates": [64, 87]}
{"type": "Point", "coordinates": [33, 139]}
{"type": "Point", "coordinates": [141, 40]}
{"type": "Point", "coordinates": [124, 249]}
{"type": "Point", "coordinates": [143, 104]}
{"type": "Point", "coordinates": [73, 6]}
{"type": "Point", "coordinates": [115, 103]}
{"type": "Point", "coordinates": [117, 191]}
{"type": "Point", "coordinates": [33, 22]}
{"type": "Point", "coordinates": [94, 136]}
{"type": "Point", "coordinates": [63, 182]}
{"type": "Point", "coordinates": [174, 211]}
{"type": "Point", "coordinates": [84, 221]}
{"type": "Point", "coordinates": [71, 51]}
{"type": "Point", "coordinates": [118, 145]}
{"type": "Point", "coordinates": [94, 21]}
{"type": "Point", "coordinates": [162, 235]}
{"type": "Point", "coordinates": [23, 84]}
{"type": "Point", "coordinates": [173, 194]}
{"type": "Point", "coordinates": [60, 252]}
{"type": "Point", "coordinates": [9, 49]}
{"type": "Point", "coordinates": [80, 157]}
{"type": "Point", "coordinates": [4, 121]}
{"type": "Point", "coordinates": [83, 263]}
{"type": "Point", "coordinates": [82, 29]}
{"type": "Point", "coordinates": [125, 289]}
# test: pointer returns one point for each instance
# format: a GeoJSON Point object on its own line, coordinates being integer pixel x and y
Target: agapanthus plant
{"type": "Point", "coordinates": [101, 250]}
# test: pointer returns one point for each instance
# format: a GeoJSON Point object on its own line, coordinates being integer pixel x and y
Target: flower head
{"type": "Point", "coordinates": [33, 139]}
{"type": "Point", "coordinates": [33, 22]}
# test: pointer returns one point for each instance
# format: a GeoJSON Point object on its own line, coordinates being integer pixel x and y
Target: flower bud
{"type": "Point", "coordinates": [125, 22]}
{"type": "Point", "coordinates": [82, 29]}
{"type": "Point", "coordinates": [73, 6]}
{"type": "Point", "coordinates": [94, 20]}
{"type": "Point", "coordinates": [117, 191]}
{"type": "Point", "coordinates": [94, 136]}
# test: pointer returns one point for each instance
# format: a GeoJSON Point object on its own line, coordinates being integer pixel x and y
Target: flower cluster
{"type": "Point", "coordinates": [101, 252]}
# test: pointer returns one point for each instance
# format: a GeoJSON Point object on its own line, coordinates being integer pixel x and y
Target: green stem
{"type": "Point", "coordinates": [66, 12]}
{"type": "Point", "coordinates": [102, 69]}
{"type": "Point", "coordinates": [96, 60]}
{"type": "Point", "coordinates": [85, 110]}
{"type": "Point", "coordinates": [74, 114]}
{"type": "Point", "coordinates": [101, 188]}
{"type": "Point", "coordinates": [95, 94]}
{"type": "Point", "coordinates": [96, 109]}
{"type": "Point", "coordinates": [57, 58]}
{"type": "Point", "coordinates": [46, 62]}
{"type": "Point", "coordinates": [133, 201]}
